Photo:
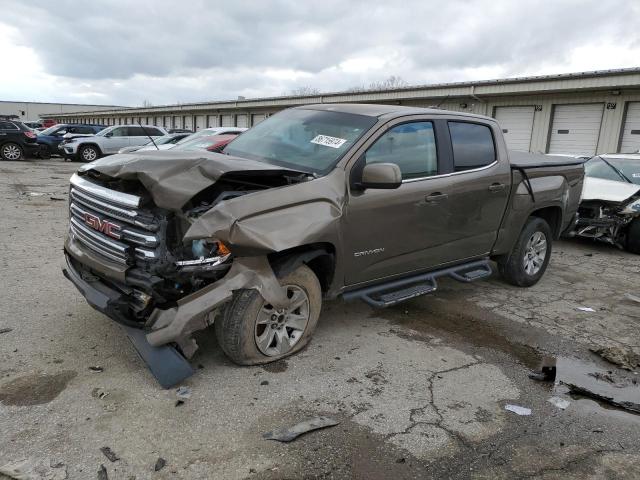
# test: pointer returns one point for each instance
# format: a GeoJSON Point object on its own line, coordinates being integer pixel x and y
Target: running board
{"type": "Point", "coordinates": [396, 291]}
{"type": "Point", "coordinates": [166, 364]}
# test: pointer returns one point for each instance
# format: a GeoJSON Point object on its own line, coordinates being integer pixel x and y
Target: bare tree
{"type": "Point", "coordinates": [389, 84]}
{"type": "Point", "coordinates": [304, 90]}
{"type": "Point", "coordinates": [146, 103]}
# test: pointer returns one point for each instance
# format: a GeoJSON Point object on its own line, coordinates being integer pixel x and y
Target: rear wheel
{"type": "Point", "coordinates": [251, 331]}
{"type": "Point", "coordinates": [11, 151]}
{"type": "Point", "coordinates": [88, 153]}
{"type": "Point", "coordinates": [633, 237]}
{"type": "Point", "coordinates": [528, 260]}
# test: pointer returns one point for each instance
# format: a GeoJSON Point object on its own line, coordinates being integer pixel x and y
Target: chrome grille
{"type": "Point", "coordinates": [95, 211]}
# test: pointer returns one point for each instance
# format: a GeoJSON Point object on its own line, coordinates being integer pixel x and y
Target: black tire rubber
{"type": "Point", "coordinates": [511, 266]}
{"type": "Point", "coordinates": [235, 327]}
{"type": "Point", "coordinates": [633, 237]}
{"type": "Point", "coordinates": [79, 156]}
{"type": "Point", "coordinates": [11, 159]}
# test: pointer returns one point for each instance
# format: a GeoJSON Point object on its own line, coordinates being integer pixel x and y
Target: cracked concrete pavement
{"type": "Point", "coordinates": [419, 389]}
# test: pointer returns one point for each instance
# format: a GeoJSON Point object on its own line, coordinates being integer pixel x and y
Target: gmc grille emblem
{"type": "Point", "coordinates": [103, 226]}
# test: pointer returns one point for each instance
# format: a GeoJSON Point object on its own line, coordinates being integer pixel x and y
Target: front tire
{"type": "Point", "coordinates": [528, 260]}
{"type": "Point", "coordinates": [633, 237]}
{"type": "Point", "coordinates": [11, 152]}
{"type": "Point", "coordinates": [88, 153]}
{"type": "Point", "coordinates": [250, 331]}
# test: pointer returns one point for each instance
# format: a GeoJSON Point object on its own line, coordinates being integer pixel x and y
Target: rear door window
{"type": "Point", "coordinates": [8, 126]}
{"type": "Point", "coordinates": [473, 145]}
{"type": "Point", "coordinates": [411, 146]}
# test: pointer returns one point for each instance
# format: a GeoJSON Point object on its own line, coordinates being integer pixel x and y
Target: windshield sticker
{"type": "Point", "coordinates": [328, 141]}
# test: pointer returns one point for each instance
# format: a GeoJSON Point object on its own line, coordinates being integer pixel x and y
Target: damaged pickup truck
{"type": "Point", "coordinates": [609, 210]}
{"type": "Point", "coordinates": [369, 202]}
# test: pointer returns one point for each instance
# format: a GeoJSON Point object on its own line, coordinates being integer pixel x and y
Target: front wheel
{"type": "Point", "coordinates": [528, 260]}
{"type": "Point", "coordinates": [633, 236]}
{"type": "Point", "coordinates": [251, 331]}
{"type": "Point", "coordinates": [11, 152]}
{"type": "Point", "coordinates": [88, 153]}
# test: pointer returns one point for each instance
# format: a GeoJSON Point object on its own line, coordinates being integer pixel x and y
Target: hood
{"type": "Point", "coordinates": [174, 177]}
{"type": "Point", "coordinates": [608, 190]}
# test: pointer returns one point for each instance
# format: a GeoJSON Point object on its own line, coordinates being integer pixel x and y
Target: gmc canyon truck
{"type": "Point", "coordinates": [370, 202]}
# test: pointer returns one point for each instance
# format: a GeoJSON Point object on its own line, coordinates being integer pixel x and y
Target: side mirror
{"type": "Point", "coordinates": [110, 134]}
{"type": "Point", "coordinates": [381, 175]}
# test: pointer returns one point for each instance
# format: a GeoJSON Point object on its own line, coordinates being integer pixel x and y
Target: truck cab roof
{"type": "Point", "coordinates": [386, 111]}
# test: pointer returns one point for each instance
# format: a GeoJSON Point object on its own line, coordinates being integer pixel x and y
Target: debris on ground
{"type": "Point", "coordinates": [110, 454]}
{"type": "Point", "coordinates": [547, 371]}
{"type": "Point", "coordinates": [99, 393]}
{"type": "Point", "coordinates": [287, 434]}
{"type": "Point", "coordinates": [585, 392]}
{"type": "Point", "coordinates": [179, 403]}
{"type": "Point", "coordinates": [183, 392]}
{"type": "Point", "coordinates": [585, 309]}
{"type": "Point", "coordinates": [518, 410]}
{"type": "Point", "coordinates": [264, 382]}
{"type": "Point", "coordinates": [57, 199]}
{"type": "Point", "coordinates": [30, 469]}
{"type": "Point", "coordinates": [102, 473]}
{"type": "Point", "coordinates": [626, 359]}
{"type": "Point", "coordinates": [561, 403]}
{"type": "Point", "coordinates": [96, 369]}
{"type": "Point", "coordinates": [603, 377]}
{"type": "Point", "coordinates": [632, 297]}
{"type": "Point", "coordinates": [6, 330]}
{"type": "Point", "coordinates": [160, 463]}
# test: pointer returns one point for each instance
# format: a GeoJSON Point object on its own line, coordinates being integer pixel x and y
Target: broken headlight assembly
{"type": "Point", "coordinates": [207, 254]}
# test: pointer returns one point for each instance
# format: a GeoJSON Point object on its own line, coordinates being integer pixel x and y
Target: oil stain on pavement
{"type": "Point", "coordinates": [35, 389]}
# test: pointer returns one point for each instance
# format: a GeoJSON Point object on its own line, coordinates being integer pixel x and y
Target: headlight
{"type": "Point", "coordinates": [71, 140]}
{"type": "Point", "coordinates": [207, 253]}
{"type": "Point", "coordinates": [631, 208]}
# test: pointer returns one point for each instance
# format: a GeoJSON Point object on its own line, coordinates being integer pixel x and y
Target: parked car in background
{"type": "Point", "coordinates": [48, 122]}
{"type": "Point", "coordinates": [16, 140]}
{"type": "Point", "coordinates": [180, 130]}
{"type": "Point", "coordinates": [610, 205]}
{"type": "Point", "coordinates": [214, 131]}
{"type": "Point", "coordinates": [35, 125]}
{"type": "Point", "coordinates": [109, 141]}
{"type": "Point", "coordinates": [162, 143]}
{"type": "Point", "coordinates": [211, 143]}
{"type": "Point", "coordinates": [52, 137]}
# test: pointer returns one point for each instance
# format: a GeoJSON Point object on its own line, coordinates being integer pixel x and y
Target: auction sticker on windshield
{"type": "Point", "coordinates": [328, 141]}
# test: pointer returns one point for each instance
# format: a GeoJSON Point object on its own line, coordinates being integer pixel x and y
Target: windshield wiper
{"type": "Point", "coordinates": [619, 172]}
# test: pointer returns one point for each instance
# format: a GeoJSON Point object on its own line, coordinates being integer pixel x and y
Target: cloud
{"type": "Point", "coordinates": [112, 51]}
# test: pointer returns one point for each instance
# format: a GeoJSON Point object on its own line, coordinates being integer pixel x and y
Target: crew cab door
{"type": "Point", "coordinates": [447, 210]}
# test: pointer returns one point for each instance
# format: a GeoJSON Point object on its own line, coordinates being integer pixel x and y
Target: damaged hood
{"type": "Point", "coordinates": [174, 177]}
{"type": "Point", "coordinates": [608, 190]}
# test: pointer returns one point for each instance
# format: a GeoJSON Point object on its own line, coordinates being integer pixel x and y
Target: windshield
{"type": "Point", "coordinates": [618, 169]}
{"type": "Point", "coordinates": [307, 140]}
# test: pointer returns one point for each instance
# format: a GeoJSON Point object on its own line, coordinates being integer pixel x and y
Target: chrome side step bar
{"type": "Point", "coordinates": [396, 291]}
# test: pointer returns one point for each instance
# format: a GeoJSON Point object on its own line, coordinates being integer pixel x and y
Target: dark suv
{"type": "Point", "coordinates": [52, 137]}
{"type": "Point", "coordinates": [16, 140]}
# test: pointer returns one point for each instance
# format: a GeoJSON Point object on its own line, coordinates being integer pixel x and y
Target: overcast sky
{"type": "Point", "coordinates": [162, 51]}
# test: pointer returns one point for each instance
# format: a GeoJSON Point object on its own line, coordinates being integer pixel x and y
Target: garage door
{"type": "Point", "coordinates": [631, 133]}
{"type": "Point", "coordinates": [177, 122]}
{"type": "Point", "coordinates": [242, 121]}
{"type": "Point", "coordinates": [576, 128]}
{"type": "Point", "coordinates": [227, 121]}
{"type": "Point", "coordinates": [199, 122]}
{"type": "Point", "coordinates": [188, 122]}
{"type": "Point", "coordinates": [257, 118]}
{"type": "Point", "coordinates": [212, 121]}
{"type": "Point", "coordinates": [516, 124]}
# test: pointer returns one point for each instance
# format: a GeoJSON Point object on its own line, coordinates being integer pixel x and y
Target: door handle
{"type": "Point", "coordinates": [435, 197]}
{"type": "Point", "coordinates": [496, 187]}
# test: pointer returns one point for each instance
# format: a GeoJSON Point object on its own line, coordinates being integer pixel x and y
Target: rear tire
{"type": "Point", "coordinates": [11, 152]}
{"type": "Point", "coordinates": [633, 237]}
{"type": "Point", "coordinates": [88, 153]}
{"type": "Point", "coordinates": [249, 329]}
{"type": "Point", "coordinates": [528, 260]}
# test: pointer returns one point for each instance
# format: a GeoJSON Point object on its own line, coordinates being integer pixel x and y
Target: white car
{"type": "Point", "coordinates": [110, 140]}
{"type": "Point", "coordinates": [212, 131]}
{"type": "Point", "coordinates": [162, 143]}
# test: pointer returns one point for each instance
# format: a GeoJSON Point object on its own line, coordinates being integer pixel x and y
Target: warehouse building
{"type": "Point", "coordinates": [32, 111]}
{"type": "Point", "coordinates": [578, 113]}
